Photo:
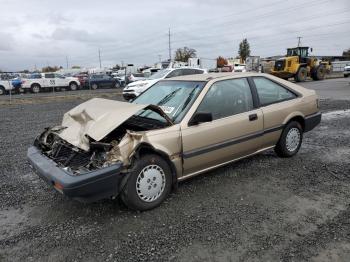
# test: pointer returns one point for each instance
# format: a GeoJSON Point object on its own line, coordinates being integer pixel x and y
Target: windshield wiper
{"type": "Point", "coordinates": [168, 97]}
{"type": "Point", "coordinates": [187, 101]}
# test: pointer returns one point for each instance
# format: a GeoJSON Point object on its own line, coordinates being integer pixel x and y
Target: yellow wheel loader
{"type": "Point", "coordinates": [300, 65]}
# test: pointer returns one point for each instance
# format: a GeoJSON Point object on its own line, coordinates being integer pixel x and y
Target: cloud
{"type": "Point", "coordinates": [6, 41]}
{"type": "Point", "coordinates": [136, 30]}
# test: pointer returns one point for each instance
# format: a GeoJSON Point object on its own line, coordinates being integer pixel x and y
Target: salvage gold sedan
{"type": "Point", "coordinates": [175, 130]}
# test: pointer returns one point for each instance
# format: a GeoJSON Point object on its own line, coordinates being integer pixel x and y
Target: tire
{"type": "Point", "coordinates": [301, 75]}
{"type": "Point", "coordinates": [73, 86]}
{"type": "Point", "coordinates": [290, 140]}
{"type": "Point", "coordinates": [94, 86]}
{"type": "Point", "coordinates": [117, 85]}
{"type": "Point", "coordinates": [149, 172]}
{"type": "Point", "coordinates": [2, 90]}
{"type": "Point", "coordinates": [320, 72]}
{"type": "Point", "coordinates": [35, 88]}
{"type": "Point", "coordinates": [346, 75]}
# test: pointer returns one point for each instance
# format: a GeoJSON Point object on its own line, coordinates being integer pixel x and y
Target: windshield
{"type": "Point", "coordinates": [160, 74]}
{"type": "Point", "coordinates": [173, 97]}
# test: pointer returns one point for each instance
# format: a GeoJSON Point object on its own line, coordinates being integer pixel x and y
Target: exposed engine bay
{"type": "Point", "coordinates": [116, 146]}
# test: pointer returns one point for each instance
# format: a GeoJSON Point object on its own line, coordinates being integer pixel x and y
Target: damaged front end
{"type": "Point", "coordinates": [71, 158]}
{"type": "Point", "coordinates": [87, 156]}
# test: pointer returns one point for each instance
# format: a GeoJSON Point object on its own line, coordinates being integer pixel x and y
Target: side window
{"type": "Point", "coordinates": [227, 98]}
{"type": "Point", "coordinates": [196, 71]}
{"type": "Point", "coordinates": [59, 76]}
{"type": "Point", "coordinates": [186, 72]}
{"type": "Point", "coordinates": [175, 73]}
{"type": "Point", "coordinates": [270, 92]}
{"type": "Point", "coordinates": [49, 75]}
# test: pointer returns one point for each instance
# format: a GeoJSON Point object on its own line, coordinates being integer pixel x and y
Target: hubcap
{"type": "Point", "coordinates": [150, 183]}
{"type": "Point", "coordinates": [293, 139]}
{"type": "Point", "coordinates": [94, 86]}
{"type": "Point", "coordinates": [36, 89]}
{"type": "Point", "coordinates": [73, 87]}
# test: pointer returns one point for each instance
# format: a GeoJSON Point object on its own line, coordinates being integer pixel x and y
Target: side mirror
{"type": "Point", "coordinates": [200, 117]}
{"type": "Point", "coordinates": [311, 49]}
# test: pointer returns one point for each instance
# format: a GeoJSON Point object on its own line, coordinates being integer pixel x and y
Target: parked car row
{"type": "Point", "coordinates": [40, 82]}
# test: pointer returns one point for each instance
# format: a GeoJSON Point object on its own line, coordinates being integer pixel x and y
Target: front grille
{"type": "Point", "coordinates": [279, 65]}
{"type": "Point", "coordinates": [66, 156]}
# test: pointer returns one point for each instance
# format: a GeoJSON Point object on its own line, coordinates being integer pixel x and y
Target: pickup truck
{"type": "Point", "coordinates": [48, 81]}
{"type": "Point", "coordinates": [5, 86]}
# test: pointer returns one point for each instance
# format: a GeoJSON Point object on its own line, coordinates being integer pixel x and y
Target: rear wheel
{"type": "Point", "coordinates": [2, 90]}
{"type": "Point", "coordinates": [35, 88]}
{"type": "Point", "coordinates": [149, 183]}
{"type": "Point", "coordinates": [301, 75]}
{"type": "Point", "coordinates": [290, 140]}
{"type": "Point", "coordinates": [94, 86]}
{"type": "Point", "coordinates": [73, 86]}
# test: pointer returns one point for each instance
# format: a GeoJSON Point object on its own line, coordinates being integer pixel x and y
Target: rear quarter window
{"type": "Point", "coordinates": [270, 92]}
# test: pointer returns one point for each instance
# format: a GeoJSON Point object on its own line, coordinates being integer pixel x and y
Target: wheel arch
{"type": "Point", "coordinates": [35, 84]}
{"type": "Point", "coordinates": [73, 82]}
{"type": "Point", "coordinates": [146, 148]}
{"type": "Point", "coordinates": [298, 117]}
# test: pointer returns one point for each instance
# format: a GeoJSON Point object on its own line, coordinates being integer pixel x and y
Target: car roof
{"type": "Point", "coordinates": [210, 76]}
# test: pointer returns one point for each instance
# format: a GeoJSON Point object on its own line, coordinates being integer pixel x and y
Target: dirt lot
{"type": "Point", "coordinates": [259, 209]}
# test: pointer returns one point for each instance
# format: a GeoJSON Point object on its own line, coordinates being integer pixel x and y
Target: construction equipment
{"type": "Point", "coordinates": [298, 64]}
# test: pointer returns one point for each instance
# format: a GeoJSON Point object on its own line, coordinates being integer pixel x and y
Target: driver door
{"type": "Point", "coordinates": [235, 131]}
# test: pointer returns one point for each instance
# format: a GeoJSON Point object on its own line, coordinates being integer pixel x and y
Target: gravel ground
{"type": "Point", "coordinates": [263, 208]}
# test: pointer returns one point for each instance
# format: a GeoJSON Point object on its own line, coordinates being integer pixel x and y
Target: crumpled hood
{"type": "Point", "coordinates": [96, 118]}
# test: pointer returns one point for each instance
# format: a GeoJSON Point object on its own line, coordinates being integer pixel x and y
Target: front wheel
{"type": "Point", "coordinates": [2, 90]}
{"type": "Point", "coordinates": [301, 75]}
{"type": "Point", "coordinates": [290, 140]}
{"type": "Point", "coordinates": [148, 184]}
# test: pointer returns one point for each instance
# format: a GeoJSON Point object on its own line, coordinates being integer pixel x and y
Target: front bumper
{"type": "Point", "coordinates": [311, 121]}
{"type": "Point", "coordinates": [89, 187]}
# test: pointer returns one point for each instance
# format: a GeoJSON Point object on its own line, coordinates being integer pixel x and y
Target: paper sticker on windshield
{"type": "Point", "coordinates": [167, 109]}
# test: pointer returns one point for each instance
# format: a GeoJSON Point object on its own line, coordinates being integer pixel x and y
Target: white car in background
{"type": "Point", "coordinates": [239, 68]}
{"type": "Point", "coordinates": [47, 81]}
{"type": "Point", "coordinates": [347, 71]}
{"type": "Point", "coordinates": [134, 89]}
{"type": "Point", "coordinates": [5, 86]}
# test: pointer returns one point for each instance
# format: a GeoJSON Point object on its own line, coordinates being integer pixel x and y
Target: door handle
{"type": "Point", "coordinates": [253, 117]}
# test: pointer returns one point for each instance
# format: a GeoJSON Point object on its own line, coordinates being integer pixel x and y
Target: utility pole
{"type": "Point", "coordinates": [299, 38]}
{"type": "Point", "coordinates": [169, 35]}
{"type": "Point", "coordinates": [99, 57]}
{"type": "Point", "coordinates": [67, 61]}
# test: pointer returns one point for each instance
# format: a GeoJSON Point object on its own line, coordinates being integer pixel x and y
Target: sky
{"type": "Point", "coordinates": [37, 33]}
